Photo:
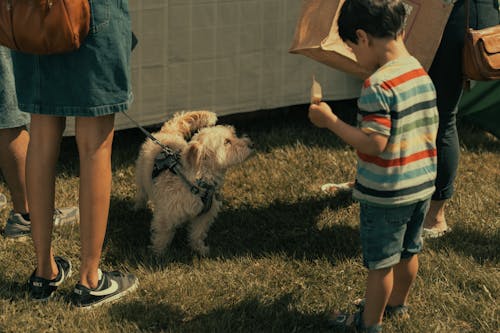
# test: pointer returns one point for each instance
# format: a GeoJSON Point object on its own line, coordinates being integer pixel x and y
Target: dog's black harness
{"type": "Point", "coordinates": [168, 159]}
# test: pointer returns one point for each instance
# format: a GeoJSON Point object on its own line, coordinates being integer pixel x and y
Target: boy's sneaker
{"type": "Point", "coordinates": [3, 200]}
{"type": "Point", "coordinates": [111, 287]}
{"type": "Point", "coordinates": [42, 289]}
{"type": "Point", "coordinates": [19, 228]}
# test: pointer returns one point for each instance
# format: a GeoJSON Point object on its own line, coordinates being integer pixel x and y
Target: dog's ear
{"type": "Point", "coordinates": [193, 154]}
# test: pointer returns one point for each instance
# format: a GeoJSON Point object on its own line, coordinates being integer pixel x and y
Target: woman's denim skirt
{"type": "Point", "coordinates": [92, 81]}
{"type": "Point", "coordinates": [10, 115]}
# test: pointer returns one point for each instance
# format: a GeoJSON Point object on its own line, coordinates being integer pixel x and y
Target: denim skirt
{"type": "Point", "coordinates": [10, 115]}
{"type": "Point", "coordinates": [92, 81]}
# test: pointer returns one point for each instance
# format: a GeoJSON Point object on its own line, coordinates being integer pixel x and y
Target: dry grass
{"type": "Point", "coordinates": [283, 254]}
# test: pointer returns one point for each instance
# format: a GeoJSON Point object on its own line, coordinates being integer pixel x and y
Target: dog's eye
{"type": "Point", "coordinates": [227, 142]}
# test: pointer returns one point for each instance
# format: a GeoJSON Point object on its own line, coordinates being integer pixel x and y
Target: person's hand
{"type": "Point", "coordinates": [321, 115]}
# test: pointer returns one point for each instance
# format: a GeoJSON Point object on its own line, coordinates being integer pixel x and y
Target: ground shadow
{"type": "Point", "coordinates": [280, 228]}
{"type": "Point", "coordinates": [250, 315]}
{"type": "Point", "coordinates": [475, 139]}
{"type": "Point", "coordinates": [467, 242]}
{"type": "Point", "coordinates": [12, 290]}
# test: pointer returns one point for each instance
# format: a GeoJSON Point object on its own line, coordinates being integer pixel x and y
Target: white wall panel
{"type": "Point", "coordinates": [228, 56]}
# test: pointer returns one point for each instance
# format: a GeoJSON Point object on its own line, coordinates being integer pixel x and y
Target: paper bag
{"type": "Point", "coordinates": [316, 35]}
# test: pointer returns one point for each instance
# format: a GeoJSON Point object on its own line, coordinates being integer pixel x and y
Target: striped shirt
{"type": "Point", "coordinates": [398, 101]}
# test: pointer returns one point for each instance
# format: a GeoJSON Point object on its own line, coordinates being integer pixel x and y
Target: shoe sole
{"type": "Point", "coordinates": [432, 234]}
{"type": "Point", "coordinates": [18, 238]}
{"type": "Point", "coordinates": [111, 299]}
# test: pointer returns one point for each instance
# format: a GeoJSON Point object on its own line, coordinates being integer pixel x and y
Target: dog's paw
{"type": "Point", "coordinates": [156, 250]}
{"type": "Point", "coordinates": [139, 205]}
{"type": "Point", "coordinates": [202, 250]}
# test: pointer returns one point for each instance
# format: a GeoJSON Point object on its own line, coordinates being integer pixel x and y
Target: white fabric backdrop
{"type": "Point", "coordinates": [228, 56]}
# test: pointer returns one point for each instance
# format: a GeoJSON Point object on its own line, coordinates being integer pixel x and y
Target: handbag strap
{"type": "Point", "coordinates": [467, 15]}
{"type": "Point", "coordinates": [466, 85]}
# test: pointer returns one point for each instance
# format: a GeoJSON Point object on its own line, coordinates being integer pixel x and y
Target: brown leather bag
{"type": "Point", "coordinates": [481, 54]}
{"type": "Point", "coordinates": [44, 26]}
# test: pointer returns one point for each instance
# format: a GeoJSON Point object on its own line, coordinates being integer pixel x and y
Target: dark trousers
{"type": "Point", "coordinates": [446, 73]}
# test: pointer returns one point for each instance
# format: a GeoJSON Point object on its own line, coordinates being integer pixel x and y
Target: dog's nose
{"type": "Point", "coordinates": [247, 139]}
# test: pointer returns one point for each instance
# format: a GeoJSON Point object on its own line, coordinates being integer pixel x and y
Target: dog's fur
{"type": "Point", "coordinates": [206, 155]}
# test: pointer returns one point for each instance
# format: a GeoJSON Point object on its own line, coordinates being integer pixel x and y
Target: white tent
{"type": "Point", "coordinates": [227, 56]}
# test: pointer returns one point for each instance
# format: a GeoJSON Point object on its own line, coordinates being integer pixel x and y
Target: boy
{"type": "Point", "coordinates": [395, 143]}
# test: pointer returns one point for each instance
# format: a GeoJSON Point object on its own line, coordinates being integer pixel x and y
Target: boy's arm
{"type": "Point", "coordinates": [322, 116]}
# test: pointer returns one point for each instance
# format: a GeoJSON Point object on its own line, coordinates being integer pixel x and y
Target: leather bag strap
{"type": "Point", "coordinates": [467, 15]}
{"type": "Point", "coordinates": [466, 85]}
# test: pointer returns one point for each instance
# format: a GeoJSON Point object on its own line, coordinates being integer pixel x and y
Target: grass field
{"type": "Point", "coordinates": [283, 254]}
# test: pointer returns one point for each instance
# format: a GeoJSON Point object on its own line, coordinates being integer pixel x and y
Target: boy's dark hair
{"type": "Point", "coordinates": [379, 18]}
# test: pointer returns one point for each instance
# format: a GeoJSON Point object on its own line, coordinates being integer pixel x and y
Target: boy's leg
{"type": "Point", "coordinates": [383, 231]}
{"type": "Point", "coordinates": [405, 272]}
{"type": "Point", "coordinates": [43, 152]}
{"type": "Point", "coordinates": [94, 136]}
{"type": "Point", "coordinates": [404, 275]}
{"type": "Point", "coordinates": [378, 289]}
{"type": "Point", "coordinates": [13, 150]}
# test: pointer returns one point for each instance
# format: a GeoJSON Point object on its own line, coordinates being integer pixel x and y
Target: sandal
{"type": "Point", "coordinates": [391, 311]}
{"type": "Point", "coordinates": [344, 322]}
{"type": "Point", "coordinates": [433, 233]}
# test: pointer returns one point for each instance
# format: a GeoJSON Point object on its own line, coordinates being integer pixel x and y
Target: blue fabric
{"type": "Point", "coordinates": [92, 81]}
{"type": "Point", "coordinates": [10, 115]}
{"type": "Point", "coordinates": [389, 234]}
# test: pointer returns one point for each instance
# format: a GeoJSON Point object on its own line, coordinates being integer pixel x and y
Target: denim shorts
{"type": "Point", "coordinates": [92, 81]}
{"type": "Point", "coordinates": [389, 234]}
{"type": "Point", "coordinates": [10, 115]}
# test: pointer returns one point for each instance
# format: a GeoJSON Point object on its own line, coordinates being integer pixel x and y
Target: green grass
{"type": "Point", "coordinates": [282, 253]}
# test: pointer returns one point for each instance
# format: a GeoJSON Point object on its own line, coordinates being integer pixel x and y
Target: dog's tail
{"type": "Point", "coordinates": [187, 123]}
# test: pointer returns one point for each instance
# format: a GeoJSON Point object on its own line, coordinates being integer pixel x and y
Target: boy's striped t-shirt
{"type": "Point", "coordinates": [398, 101]}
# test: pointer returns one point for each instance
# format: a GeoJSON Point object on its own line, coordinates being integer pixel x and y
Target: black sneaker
{"type": "Point", "coordinates": [42, 289]}
{"type": "Point", "coordinates": [111, 287]}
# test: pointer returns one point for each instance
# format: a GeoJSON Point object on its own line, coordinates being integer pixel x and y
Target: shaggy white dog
{"type": "Point", "coordinates": [205, 153]}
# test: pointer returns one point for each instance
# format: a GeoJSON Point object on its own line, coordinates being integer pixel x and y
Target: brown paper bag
{"type": "Point", "coordinates": [316, 35]}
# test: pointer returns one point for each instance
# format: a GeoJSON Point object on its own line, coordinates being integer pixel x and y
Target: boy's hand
{"type": "Point", "coordinates": [321, 115]}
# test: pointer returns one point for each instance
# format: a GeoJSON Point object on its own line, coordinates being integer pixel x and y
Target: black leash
{"type": "Point", "coordinates": [149, 135]}
{"type": "Point", "coordinates": [169, 159]}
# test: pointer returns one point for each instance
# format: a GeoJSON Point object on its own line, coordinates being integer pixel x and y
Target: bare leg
{"type": "Point", "coordinates": [94, 137]}
{"type": "Point", "coordinates": [13, 150]}
{"type": "Point", "coordinates": [378, 290]}
{"type": "Point", "coordinates": [404, 275]}
{"type": "Point", "coordinates": [435, 218]}
{"type": "Point", "coordinates": [43, 152]}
